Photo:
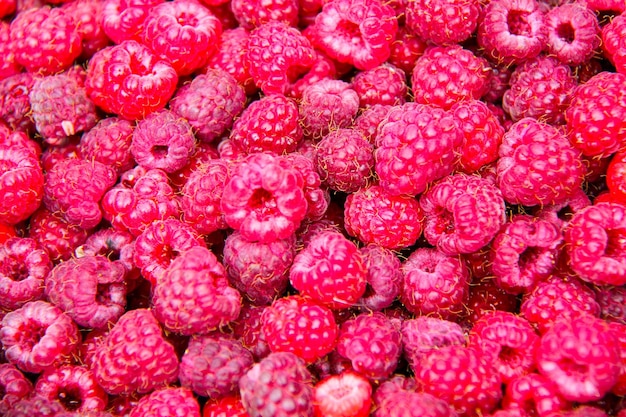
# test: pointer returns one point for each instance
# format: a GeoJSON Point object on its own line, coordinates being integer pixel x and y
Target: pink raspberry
{"type": "Point", "coordinates": [74, 387]}
{"type": "Point", "coordinates": [405, 50]}
{"type": "Point", "coordinates": [14, 386]}
{"type": "Point", "coordinates": [15, 103]}
{"type": "Point", "coordinates": [44, 408]}
{"type": "Point", "coordinates": [537, 164]}
{"type": "Point", "coordinates": [369, 119]}
{"type": "Point", "coordinates": [38, 336]}
{"type": "Point", "coordinates": [248, 329]}
{"type": "Point", "coordinates": [74, 187]}
{"type": "Point", "coordinates": [561, 214]}
{"type": "Point", "coordinates": [619, 332]}
{"type": "Point", "coordinates": [524, 252]}
{"type": "Point", "coordinates": [613, 44]}
{"type": "Point", "coordinates": [345, 160]}
{"type": "Point", "coordinates": [415, 146]}
{"type": "Point", "coordinates": [434, 284]}
{"type": "Point", "coordinates": [230, 57]}
{"type": "Point", "coordinates": [140, 84]}
{"type": "Point", "coordinates": [193, 295]}
{"type": "Point", "coordinates": [317, 196]}
{"type": "Point", "coordinates": [8, 64]}
{"type": "Point", "coordinates": [55, 234]}
{"type": "Point", "coordinates": [16, 138]}
{"type": "Point", "coordinates": [330, 270]}
{"type": "Point", "coordinates": [91, 290]}
{"type": "Point", "coordinates": [540, 88]}
{"type": "Point", "coordinates": [498, 83]}
{"type": "Point", "coordinates": [596, 115]}
{"type": "Point", "coordinates": [184, 33]}
{"type": "Point", "coordinates": [443, 22]}
{"type": "Point", "coordinates": [279, 385]}
{"type": "Point", "coordinates": [300, 326]}
{"type": "Point", "coordinates": [512, 31]}
{"type": "Point", "coordinates": [383, 277]}
{"type": "Point", "coordinates": [356, 32]}
{"type": "Point", "coordinates": [123, 20]}
{"type": "Point", "coordinates": [21, 182]}
{"type": "Point", "coordinates": [373, 215]}
{"type": "Point", "coordinates": [445, 75]}
{"type": "Point", "coordinates": [270, 124]}
{"type": "Point", "coordinates": [113, 244]}
{"type": "Point", "coordinates": [254, 13]}
{"type": "Point", "coordinates": [46, 40]}
{"type": "Point", "coordinates": [534, 394]}
{"type": "Point", "coordinates": [230, 406]}
{"type": "Point", "coordinates": [264, 199]}
{"type": "Point", "coordinates": [213, 364]}
{"type": "Point", "coordinates": [86, 14]}
{"type": "Point", "coordinates": [384, 84]}
{"type": "Point", "coordinates": [109, 142]}
{"type": "Point", "coordinates": [372, 343]}
{"type": "Point", "coordinates": [400, 402]}
{"type": "Point", "coordinates": [121, 365]}
{"type": "Point", "coordinates": [573, 33]}
{"type": "Point", "coordinates": [167, 401]}
{"type": "Point", "coordinates": [203, 153]}
{"type": "Point", "coordinates": [612, 301]}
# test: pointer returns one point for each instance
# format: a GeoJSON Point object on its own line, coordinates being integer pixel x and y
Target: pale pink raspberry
{"type": "Point", "coordinates": [109, 142]}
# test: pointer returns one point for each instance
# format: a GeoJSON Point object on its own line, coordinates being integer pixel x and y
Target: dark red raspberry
{"type": "Point", "coordinates": [15, 103]}
{"type": "Point", "coordinates": [573, 33]}
{"type": "Point", "coordinates": [109, 142]}
{"type": "Point", "coordinates": [8, 64]}
{"type": "Point", "coordinates": [123, 20]}
{"type": "Point", "coordinates": [385, 84]}
{"type": "Point", "coordinates": [253, 13]}
{"type": "Point", "coordinates": [369, 119]}
{"type": "Point", "coordinates": [167, 401]}
{"type": "Point", "coordinates": [121, 365]}
{"type": "Point", "coordinates": [434, 284]}
{"type": "Point", "coordinates": [46, 39]}
{"type": "Point", "coordinates": [193, 295]}
{"type": "Point", "coordinates": [300, 326]}
{"type": "Point", "coordinates": [533, 394]}
{"type": "Point", "coordinates": [54, 234]}
{"type": "Point", "coordinates": [230, 57]}
{"type": "Point", "coordinates": [86, 14]}
{"type": "Point", "coordinates": [140, 84]}
{"type": "Point", "coordinates": [405, 50]}
{"type": "Point", "coordinates": [327, 105]}
{"type": "Point", "coordinates": [38, 336]}
{"type": "Point", "coordinates": [443, 22]}
{"type": "Point", "coordinates": [383, 277]}
{"type": "Point", "coordinates": [14, 386]}
{"type": "Point", "coordinates": [613, 44]}
{"type": "Point", "coordinates": [52, 155]}
{"type": "Point", "coordinates": [74, 387]}
{"type": "Point", "coordinates": [21, 182]}
{"type": "Point", "coordinates": [213, 364]}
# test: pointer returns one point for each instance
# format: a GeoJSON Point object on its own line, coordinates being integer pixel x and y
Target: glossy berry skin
{"type": "Point", "coordinates": [170, 400]}
{"type": "Point", "coordinates": [230, 406]}
{"type": "Point", "coordinates": [327, 105]}
{"type": "Point", "coordinates": [21, 184]}
{"type": "Point", "coordinates": [381, 85]}
{"type": "Point", "coordinates": [86, 14]}
{"type": "Point", "coordinates": [230, 55]}
{"type": "Point", "coordinates": [74, 387]}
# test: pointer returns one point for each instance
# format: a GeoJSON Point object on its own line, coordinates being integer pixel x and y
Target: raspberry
{"type": "Point", "coordinates": [15, 103]}
{"type": "Point", "coordinates": [396, 397]}
{"type": "Point", "coordinates": [369, 119]}
{"type": "Point", "coordinates": [443, 22]}
{"type": "Point", "coordinates": [300, 326]}
{"type": "Point", "coordinates": [258, 270]}
{"type": "Point", "coordinates": [86, 14]}
{"type": "Point", "coordinates": [347, 393]}
{"type": "Point", "coordinates": [212, 365]}
{"type": "Point", "coordinates": [405, 50]}
{"type": "Point", "coordinates": [21, 182]}
{"type": "Point", "coordinates": [596, 115]}
{"type": "Point", "coordinates": [74, 187]}
{"type": "Point", "coordinates": [327, 105]}
{"type": "Point", "coordinates": [167, 401]}
{"type": "Point", "coordinates": [38, 336]}
{"type": "Point", "coordinates": [330, 270]}
{"type": "Point", "coordinates": [524, 252]}
{"type": "Point", "coordinates": [270, 124]}
{"type": "Point", "coordinates": [20, 139]}
{"type": "Point", "coordinates": [253, 13]}
{"type": "Point", "coordinates": [264, 198]}
{"type": "Point", "coordinates": [52, 155]}
{"type": "Point", "coordinates": [91, 290]}
{"type": "Point", "coordinates": [537, 165]}
{"type": "Point", "coordinates": [463, 378]}
{"type": "Point", "coordinates": [317, 197]}
{"type": "Point", "coordinates": [203, 153]}
{"type": "Point", "coordinates": [619, 332]}
{"type": "Point", "coordinates": [109, 142]}
{"type": "Point", "coordinates": [8, 64]}
{"type": "Point", "coordinates": [279, 385]}
{"type": "Point", "coordinates": [35, 407]}
{"type": "Point", "coordinates": [573, 33]}
{"type": "Point", "coordinates": [486, 296]}
{"type": "Point", "coordinates": [579, 355]}
{"type": "Point", "coordinates": [356, 32]}
{"type": "Point", "coordinates": [74, 387]}
{"type": "Point", "coordinates": [121, 365]}
{"type": "Point", "coordinates": [230, 57]}
{"type": "Point", "coordinates": [382, 85]}
{"type": "Point", "coordinates": [612, 301]}
{"type": "Point", "coordinates": [129, 80]}
{"type": "Point", "coordinates": [594, 239]}
{"type": "Point", "coordinates": [539, 88]}
{"type": "Point", "coordinates": [46, 40]}
{"type": "Point", "coordinates": [193, 296]}
{"type": "Point", "coordinates": [224, 407]}
{"type": "Point", "coordinates": [560, 214]}
{"type": "Point", "coordinates": [581, 411]}
{"type": "Point", "coordinates": [383, 277]}
{"type": "Point", "coordinates": [372, 344]}
{"type": "Point", "coordinates": [248, 330]}
{"type": "Point", "coordinates": [54, 234]}
{"type": "Point", "coordinates": [210, 103]}
{"type": "Point", "coordinates": [60, 106]}
{"type": "Point", "coordinates": [613, 44]}
{"type": "Point", "coordinates": [345, 160]}
{"type": "Point", "coordinates": [512, 31]}
{"type": "Point", "coordinates": [415, 146]}
{"type": "Point", "coordinates": [534, 394]}
{"type": "Point", "coordinates": [14, 387]}
{"type": "Point", "coordinates": [123, 20]}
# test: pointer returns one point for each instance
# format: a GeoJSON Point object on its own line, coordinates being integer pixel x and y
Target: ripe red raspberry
{"type": "Point", "coordinates": [230, 57]}
{"type": "Point", "coordinates": [382, 85]}
{"type": "Point", "coordinates": [167, 401]}
{"type": "Point", "coordinates": [74, 187]}
{"type": "Point", "coordinates": [140, 84]}
{"type": "Point", "coordinates": [398, 396]}
{"type": "Point", "coordinates": [8, 64]}
{"type": "Point", "coordinates": [60, 106]}
{"type": "Point", "coordinates": [537, 165]}
{"type": "Point", "coordinates": [203, 153]}
{"type": "Point", "coordinates": [356, 32]}
{"type": "Point", "coordinates": [405, 50]}
{"type": "Point", "coordinates": [15, 103]}
{"type": "Point", "coordinates": [21, 184]}
{"type": "Point", "coordinates": [443, 22]}
{"type": "Point", "coordinates": [210, 103]}
{"type": "Point", "coordinates": [613, 44]}
{"type": "Point", "coordinates": [300, 326]}
{"type": "Point", "coordinates": [270, 124]}
{"type": "Point", "coordinates": [264, 199]}
{"type": "Point", "coordinates": [330, 270]}
{"type": "Point", "coordinates": [317, 196]}
{"type": "Point", "coordinates": [38, 336]}
{"type": "Point", "coordinates": [248, 329]}
{"type": "Point", "coordinates": [463, 378]}
{"type": "Point", "coordinates": [74, 387]}
{"type": "Point", "coordinates": [415, 146]}
{"type": "Point", "coordinates": [524, 252]}
{"type": "Point", "coordinates": [213, 364]}
{"type": "Point", "coordinates": [573, 33]}
{"type": "Point", "coordinates": [579, 355]}
{"type": "Point", "coordinates": [14, 387]}
{"type": "Point", "coordinates": [279, 385]}
{"type": "Point", "coordinates": [54, 234]}
{"type": "Point", "coordinates": [193, 295]}
{"type": "Point", "coordinates": [86, 14]}
{"type": "Point", "coordinates": [46, 40]}
{"type": "Point", "coordinates": [123, 20]}
{"type": "Point", "coordinates": [534, 394]}
{"type": "Point", "coordinates": [35, 407]}
{"type": "Point", "coordinates": [369, 119]}
{"type": "Point", "coordinates": [327, 105]}
{"type": "Point", "coordinates": [121, 365]}
{"type": "Point", "coordinates": [596, 115]}
{"type": "Point", "coordinates": [383, 277]}
{"type": "Point", "coordinates": [230, 406]}
{"type": "Point", "coordinates": [113, 244]}
{"type": "Point", "coordinates": [512, 31]}
{"type": "Point", "coordinates": [540, 88]}
{"type": "Point", "coordinates": [254, 13]}
{"type": "Point", "coordinates": [109, 142]}
{"type": "Point", "coordinates": [345, 160]}
{"type": "Point", "coordinates": [372, 343]}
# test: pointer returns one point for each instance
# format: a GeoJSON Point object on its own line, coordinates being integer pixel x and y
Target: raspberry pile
{"type": "Point", "coordinates": [314, 208]}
